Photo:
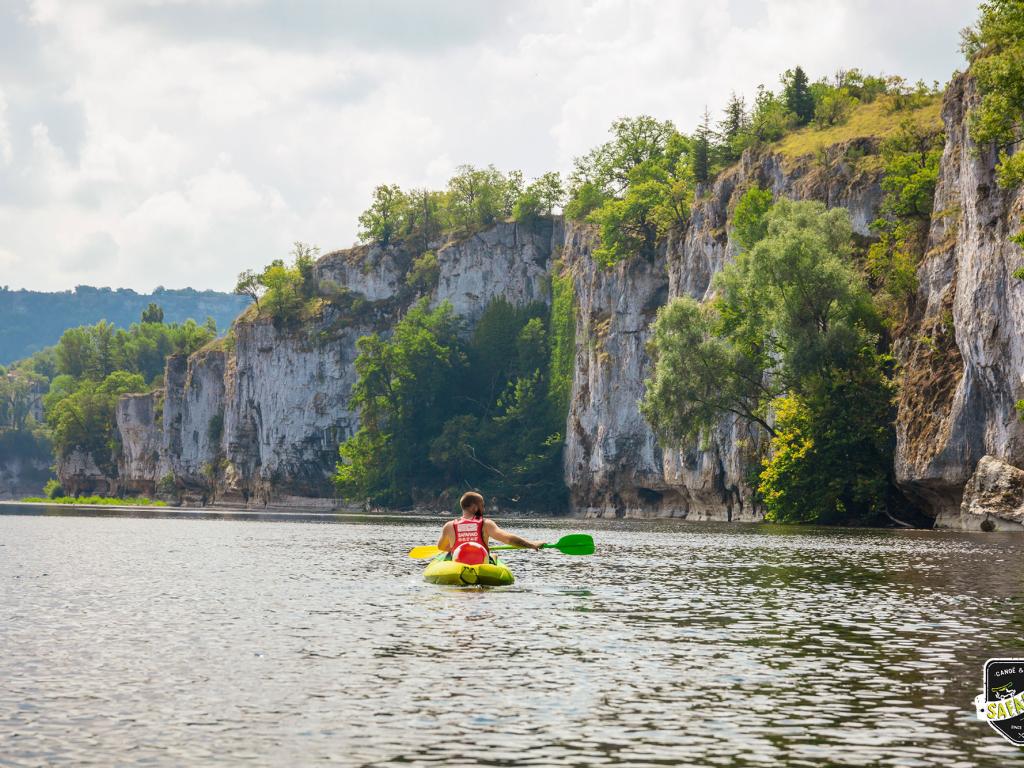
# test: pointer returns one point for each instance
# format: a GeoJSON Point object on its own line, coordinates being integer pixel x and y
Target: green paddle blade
{"type": "Point", "coordinates": [573, 544]}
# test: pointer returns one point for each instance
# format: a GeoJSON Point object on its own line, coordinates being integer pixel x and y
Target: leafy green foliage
{"type": "Point", "coordinates": [749, 220]}
{"type": "Point", "coordinates": [474, 198]}
{"type": "Point", "coordinates": [734, 130]}
{"type": "Point", "coordinates": [911, 162]}
{"type": "Point", "coordinates": [477, 197]}
{"type": "Point", "coordinates": [832, 448]}
{"type": "Point", "coordinates": [81, 416]}
{"type": "Point", "coordinates": [97, 364]}
{"type": "Point", "coordinates": [381, 221]}
{"type": "Point", "coordinates": [424, 273]}
{"type": "Point", "coordinates": [770, 118]}
{"type": "Point", "coordinates": [96, 351]}
{"type": "Point", "coordinates": [540, 198]}
{"type": "Point", "coordinates": [153, 313]}
{"type": "Point", "coordinates": [106, 501]}
{"type": "Point", "coordinates": [438, 410]}
{"type": "Point", "coordinates": [833, 107]}
{"type": "Point", "coordinates": [19, 390]}
{"type": "Point", "coordinates": [792, 318]}
{"type": "Point", "coordinates": [995, 48]}
{"type": "Point", "coordinates": [635, 187]}
{"type": "Point", "coordinates": [286, 289]}
{"type": "Point", "coordinates": [796, 93]}
{"type": "Point", "coordinates": [401, 394]}
{"type": "Point", "coordinates": [702, 149]}
{"type": "Point", "coordinates": [586, 197]}
{"type": "Point", "coordinates": [562, 336]}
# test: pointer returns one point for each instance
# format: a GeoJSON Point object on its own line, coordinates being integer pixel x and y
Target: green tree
{"type": "Point", "coordinates": [644, 181]}
{"type": "Point", "coordinates": [911, 171]}
{"type": "Point", "coordinates": [833, 107]}
{"type": "Point", "coordinates": [540, 198]}
{"type": "Point", "coordinates": [153, 313]}
{"type": "Point", "coordinates": [424, 218]}
{"type": "Point", "coordinates": [586, 198]}
{"type": "Point", "coordinates": [81, 416]}
{"type": "Point", "coordinates": [19, 389]}
{"type": "Point", "coordinates": [749, 219]}
{"type": "Point", "coordinates": [832, 448]}
{"type": "Point", "coordinates": [384, 218]}
{"type": "Point", "coordinates": [248, 284]}
{"type": "Point", "coordinates": [733, 129]}
{"type": "Point", "coordinates": [770, 118]}
{"type": "Point", "coordinates": [995, 48]}
{"type": "Point", "coordinates": [477, 197]}
{"type": "Point", "coordinates": [635, 142]}
{"type": "Point", "coordinates": [287, 289]}
{"type": "Point", "coordinates": [797, 96]}
{"type": "Point", "coordinates": [702, 150]}
{"type": "Point", "coordinates": [403, 395]}
{"type": "Point", "coordinates": [793, 318]}
{"type": "Point", "coordinates": [424, 273]}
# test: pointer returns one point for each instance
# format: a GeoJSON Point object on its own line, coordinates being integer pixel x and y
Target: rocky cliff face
{"type": "Point", "coordinates": [963, 354]}
{"type": "Point", "coordinates": [259, 421]}
{"type": "Point", "coordinates": [614, 466]}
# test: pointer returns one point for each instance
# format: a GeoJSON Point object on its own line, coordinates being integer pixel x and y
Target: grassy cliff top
{"type": "Point", "coordinates": [875, 119]}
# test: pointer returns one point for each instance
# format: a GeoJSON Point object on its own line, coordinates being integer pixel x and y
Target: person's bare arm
{"type": "Point", "coordinates": [444, 541]}
{"type": "Point", "coordinates": [510, 538]}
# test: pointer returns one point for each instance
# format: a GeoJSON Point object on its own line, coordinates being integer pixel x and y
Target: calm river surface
{"type": "Point", "coordinates": [165, 642]}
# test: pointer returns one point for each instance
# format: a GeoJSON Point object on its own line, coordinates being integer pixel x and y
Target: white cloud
{"type": "Point", "coordinates": [6, 151]}
{"type": "Point", "coordinates": [179, 142]}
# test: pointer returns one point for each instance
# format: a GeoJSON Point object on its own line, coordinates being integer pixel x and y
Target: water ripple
{"type": "Point", "coordinates": [170, 642]}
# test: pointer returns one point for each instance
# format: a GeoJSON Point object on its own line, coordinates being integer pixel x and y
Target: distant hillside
{"type": "Point", "coordinates": [31, 320]}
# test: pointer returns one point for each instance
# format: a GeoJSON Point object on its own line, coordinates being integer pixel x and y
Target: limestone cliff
{"type": "Point", "coordinates": [614, 466]}
{"type": "Point", "coordinates": [258, 418]}
{"type": "Point", "coordinates": [963, 355]}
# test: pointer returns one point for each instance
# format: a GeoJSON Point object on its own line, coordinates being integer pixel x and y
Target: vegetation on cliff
{"type": "Point", "coordinates": [440, 412]}
{"type": "Point", "coordinates": [995, 48]}
{"type": "Point", "coordinates": [789, 344]}
{"type": "Point", "coordinates": [911, 171]}
{"type": "Point", "coordinates": [473, 199]}
{"type": "Point", "coordinates": [640, 185]}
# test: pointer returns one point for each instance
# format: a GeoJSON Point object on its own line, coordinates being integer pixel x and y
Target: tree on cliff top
{"type": "Point", "coordinates": [635, 187]}
{"type": "Point", "coordinates": [797, 94]}
{"type": "Point", "coordinates": [995, 48]}
{"type": "Point", "coordinates": [384, 218]}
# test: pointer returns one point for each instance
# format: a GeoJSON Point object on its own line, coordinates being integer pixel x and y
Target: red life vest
{"type": "Point", "coordinates": [471, 530]}
{"type": "Point", "coordinates": [469, 547]}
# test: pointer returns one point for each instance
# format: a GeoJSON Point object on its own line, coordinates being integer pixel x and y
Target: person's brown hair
{"type": "Point", "coordinates": [469, 498]}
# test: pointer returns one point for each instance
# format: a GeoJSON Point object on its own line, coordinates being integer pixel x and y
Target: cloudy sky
{"type": "Point", "coordinates": [176, 142]}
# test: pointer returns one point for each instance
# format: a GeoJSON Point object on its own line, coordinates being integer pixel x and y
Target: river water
{"type": "Point", "coordinates": [196, 641]}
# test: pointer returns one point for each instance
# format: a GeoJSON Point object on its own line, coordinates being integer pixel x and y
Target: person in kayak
{"type": "Point", "coordinates": [467, 538]}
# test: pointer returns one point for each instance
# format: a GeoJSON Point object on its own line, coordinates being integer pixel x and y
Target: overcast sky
{"type": "Point", "coordinates": [177, 142]}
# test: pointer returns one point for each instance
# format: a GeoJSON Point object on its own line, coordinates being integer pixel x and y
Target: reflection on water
{"type": "Point", "coordinates": [175, 642]}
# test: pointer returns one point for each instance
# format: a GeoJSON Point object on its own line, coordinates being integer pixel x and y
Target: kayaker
{"type": "Point", "coordinates": [467, 538]}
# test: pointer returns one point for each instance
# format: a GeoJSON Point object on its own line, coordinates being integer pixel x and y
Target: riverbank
{"type": "Point", "coordinates": [211, 513]}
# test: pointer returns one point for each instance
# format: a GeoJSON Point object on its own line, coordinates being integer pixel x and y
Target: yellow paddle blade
{"type": "Point", "coordinates": [422, 553]}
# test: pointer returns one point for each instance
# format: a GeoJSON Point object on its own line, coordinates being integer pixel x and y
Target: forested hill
{"type": "Point", "coordinates": [31, 320]}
